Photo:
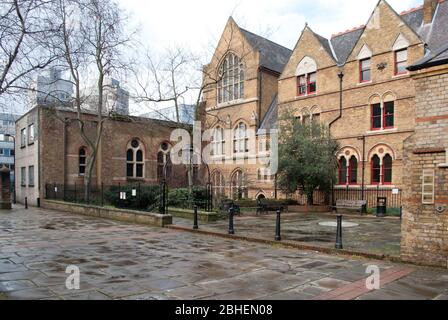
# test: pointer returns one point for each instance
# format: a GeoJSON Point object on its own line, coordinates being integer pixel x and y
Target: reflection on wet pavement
{"type": "Point", "coordinates": [125, 261]}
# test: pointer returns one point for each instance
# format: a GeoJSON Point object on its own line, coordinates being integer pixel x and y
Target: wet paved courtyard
{"type": "Point", "coordinates": [365, 234]}
{"type": "Point", "coordinates": [125, 261]}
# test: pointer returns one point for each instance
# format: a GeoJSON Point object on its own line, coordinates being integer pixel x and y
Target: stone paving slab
{"type": "Point", "coordinates": [370, 235]}
{"type": "Point", "coordinates": [124, 261]}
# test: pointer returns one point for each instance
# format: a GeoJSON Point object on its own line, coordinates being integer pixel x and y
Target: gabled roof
{"type": "Point", "coordinates": [272, 55]}
{"type": "Point", "coordinates": [434, 34]}
{"type": "Point", "coordinates": [344, 43]}
{"type": "Point", "coordinates": [269, 121]}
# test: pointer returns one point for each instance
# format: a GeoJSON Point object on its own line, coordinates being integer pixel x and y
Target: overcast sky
{"type": "Point", "coordinates": [199, 23]}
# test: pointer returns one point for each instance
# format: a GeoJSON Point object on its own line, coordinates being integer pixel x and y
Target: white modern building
{"type": "Point", "coordinates": [50, 89]}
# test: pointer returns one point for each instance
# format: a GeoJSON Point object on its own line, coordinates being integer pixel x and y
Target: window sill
{"type": "Point", "coordinates": [30, 143]}
{"type": "Point", "coordinates": [134, 179]}
{"type": "Point", "coordinates": [308, 95]}
{"type": "Point", "coordinates": [23, 185]}
{"type": "Point", "coordinates": [443, 165]}
{"type": "Point", "coordinates": [381, 131]}
{"type": "Point", "coordinates": [31, 186]}
{"type": "Point", "coordinates": [363, 83]}
{"type": "Point", "coordinates": [400, 75]}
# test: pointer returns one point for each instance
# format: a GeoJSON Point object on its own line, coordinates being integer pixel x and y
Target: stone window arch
{"type": "Point", "coordinates": [381, 162]}
{"type": "Point", "coordinates": [135, 159]}
{"type": "Point", "coordinates": [231, 82]}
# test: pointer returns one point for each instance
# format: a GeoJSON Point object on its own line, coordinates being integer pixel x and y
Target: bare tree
{"type": "Point", "coordinates": [92, 39]}
{"type": "Point", "coordinates": [25, 25]}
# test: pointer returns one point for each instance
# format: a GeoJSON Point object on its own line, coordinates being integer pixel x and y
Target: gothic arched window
{"type": "Point", "coordinates": [240, 139]}
{"type": "Point", "coordinates": [231, 83]}
{"type": "Point", "coordinates": [82, 160]}
{"type": "Point", "coordinates": [135, 161]}
{"type": "Point", "coordinates": [163, 162]}
{"type": "Point", "coordinates": [239, 188]}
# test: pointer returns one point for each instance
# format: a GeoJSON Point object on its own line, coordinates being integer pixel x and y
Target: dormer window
{"type": "Point", "coordinates": [231, 82]}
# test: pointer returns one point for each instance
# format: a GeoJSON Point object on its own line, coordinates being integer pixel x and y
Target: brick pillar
{"type": "Point", "coordinates": [5, 189]}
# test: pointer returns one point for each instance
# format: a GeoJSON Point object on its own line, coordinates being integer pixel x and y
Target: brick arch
{"type": "Point", "coordinates": [385, 148]}
{"type": "Point", "coordinates": [128, 144]}
{"type": "Point", "coordinates": [389, 96]}
{"type": "Point", "coordinates": [347, 152]}
{"type": "Point", "coordinates": [375, 98]}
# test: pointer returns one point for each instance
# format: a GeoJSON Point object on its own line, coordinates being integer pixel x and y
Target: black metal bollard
{"type": "Point", "coordinates": [26, 203]}
{"type": "Point", "coordinates": [195, 227]}
{"type": "Point", "coordinates": [278, 236]}
{"type": "Point", "coordinates": [38, 202]}
{"type": "Point", "coordinates": [231, 213]}
{"type": "Point", "coordinates": [339, 234]}
{"type": "Point", "coordinates": [401, 213]}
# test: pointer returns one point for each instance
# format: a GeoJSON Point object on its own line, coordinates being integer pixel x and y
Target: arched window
{"type": "Point", "coordinates": [239, 189]}
{"type": "Point", "coordinates": [240, 139]}
{"type": "Point", "coordinates": [218, 185]}
{"type": "Point", "coordinates": [82, 160]}
{"type": "Point", "coordinates": [343, 171]}
{"type": "Point", "coordinates": [218, 142]}
{"type": "Point", "coordinates": [376, 170]}
{"type": "Point", "coordinates": [353, 170]}
{"type": "Point", "coordinates": [231, 84]}
{"type": "Point", "coordinates": [163, 162]}
{"type": "Point", "coordinates": [135, 162]}
{"type": "Point", "coordinates": [387, 169]}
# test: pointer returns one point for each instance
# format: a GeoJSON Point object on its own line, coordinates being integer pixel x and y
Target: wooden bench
{"type": "Point", "coordinates": [351, 204]}
{"type": "Point", "coordinates": [265, 208]}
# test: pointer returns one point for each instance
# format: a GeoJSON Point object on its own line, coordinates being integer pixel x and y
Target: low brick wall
{"type": "Point", "coordinates": [189, 214]}
{"type": "Point", "coordinates": [124, 215]}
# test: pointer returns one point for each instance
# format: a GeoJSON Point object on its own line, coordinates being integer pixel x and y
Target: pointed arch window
{"type": "Point", "coordinates": [343, 171]}
{"type": "Point", "coordinates": [387, 169]}
{"type": "Point", "coordinates": [376, 170]}
{"type": "Point", "coordinates": [231, 83]}
{"type": "Point", "coordinates": [353, 170]}
{"type": "Point", "coordinates": [135, 163]}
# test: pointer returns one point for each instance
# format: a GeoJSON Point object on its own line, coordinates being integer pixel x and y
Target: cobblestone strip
{"type": "Point", "coordinates": [358, 288]}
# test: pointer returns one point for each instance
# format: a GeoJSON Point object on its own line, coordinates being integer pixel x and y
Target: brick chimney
{"type": "Point", "coordinates": [429, 8]}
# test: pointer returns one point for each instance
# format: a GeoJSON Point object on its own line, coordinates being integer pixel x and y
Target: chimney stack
{"type": "Point", "coordinates": [429, 8]}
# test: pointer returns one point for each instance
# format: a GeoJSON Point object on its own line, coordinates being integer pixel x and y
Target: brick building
{"type": "Point", "coordinates": [51, 150]}
{"type": "Point", "coordinates": [378, 95]}
{"type": "Point", "coordinates": [378, 92]}
{"type": "Point", "coordinates": [240, 100]}
{"type": "Point", "coordinates": [425, 220]}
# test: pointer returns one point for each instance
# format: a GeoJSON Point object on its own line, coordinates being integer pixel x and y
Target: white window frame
{"type": "Point", "coordinates": [230, 87]}
{"type": "Point", "coordinates": [218, 142]}
{"type": "Point", "coordinates": [240, 139]}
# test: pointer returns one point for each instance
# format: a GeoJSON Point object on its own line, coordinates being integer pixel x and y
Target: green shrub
{"type": "Point", "coordinates": [179, 198]}
{"type": "Point", "coordinates": [147, 196]}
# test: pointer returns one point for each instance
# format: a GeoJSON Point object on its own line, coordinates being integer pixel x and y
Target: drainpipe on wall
{"type": "Point", "coordinates": [260, 75]}
{"type": "Point", "coordinates": [341, 80]}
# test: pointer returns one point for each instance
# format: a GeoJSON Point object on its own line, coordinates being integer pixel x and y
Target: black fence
{"type": "Point", "coordinates": [371, 195]}
{"type": "Point", "coordinates": [135, 196]}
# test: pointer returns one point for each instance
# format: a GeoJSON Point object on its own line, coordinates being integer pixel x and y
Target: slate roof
{"type": "Point", "coordinates": [437, 58]}
{"type": "Point", "coordinates": [270, 119]}
{"type": "Point", "coordinates": [343, 44]}
{"type": "Point", "coordinates": [434, 34]}
{"type": "Point", "coordinates": [272, 55]}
